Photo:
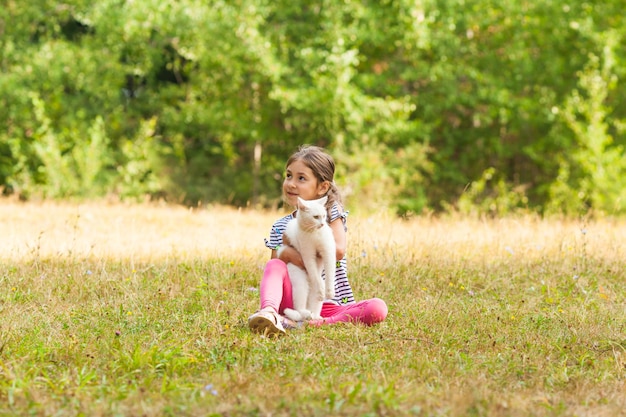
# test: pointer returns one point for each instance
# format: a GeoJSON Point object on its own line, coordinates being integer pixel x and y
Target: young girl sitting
{"type": "Point", "coordinates": [309, 175]}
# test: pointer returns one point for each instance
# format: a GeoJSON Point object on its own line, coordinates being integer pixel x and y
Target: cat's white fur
{"type": "Point", "coordinates": [310, 234]}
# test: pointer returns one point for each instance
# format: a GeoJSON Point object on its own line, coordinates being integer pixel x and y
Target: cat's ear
{"type": "Point", "coordinates": [323, 200]}
{"type": "Point", "coordinates": [301, 204]}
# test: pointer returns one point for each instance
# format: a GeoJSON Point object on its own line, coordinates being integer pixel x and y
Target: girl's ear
{"type": "Point", "coordinates": [324, 187]}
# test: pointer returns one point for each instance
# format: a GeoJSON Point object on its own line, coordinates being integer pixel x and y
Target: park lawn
{"type": "Point", "coordinates": [109, 309]}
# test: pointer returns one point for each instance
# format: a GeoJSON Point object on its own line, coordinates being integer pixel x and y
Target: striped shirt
{"type": "Point", "coordinates": [343, 291]}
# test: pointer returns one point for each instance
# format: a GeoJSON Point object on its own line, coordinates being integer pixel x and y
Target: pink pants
{"type": "Point", "coordinates": [276, 293]}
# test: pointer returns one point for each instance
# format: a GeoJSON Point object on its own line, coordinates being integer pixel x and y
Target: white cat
{"type": "Point", "coordinates": [310, 234]}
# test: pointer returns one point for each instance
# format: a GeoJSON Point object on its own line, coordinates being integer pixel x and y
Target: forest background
{"type": "Point", "coordinates": [427, 105]}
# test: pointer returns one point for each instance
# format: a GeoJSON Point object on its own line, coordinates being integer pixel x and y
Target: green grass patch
{"type": "Point", "coordinates": [479, 324]}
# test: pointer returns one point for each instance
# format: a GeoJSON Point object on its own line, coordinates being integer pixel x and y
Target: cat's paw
{"type": "Point", "coordinates": [316, 317]}
{"type": "Point", "coordinates": [305, 314]}
{"type": "Point", "coordinates": [293, 314]}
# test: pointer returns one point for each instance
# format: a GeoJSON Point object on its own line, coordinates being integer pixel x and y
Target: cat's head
{"type": "Point", "coordinates": [312, 213]}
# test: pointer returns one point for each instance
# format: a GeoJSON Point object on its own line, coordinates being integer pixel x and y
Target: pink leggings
{"type": "Point", "coordinates": [276, 293]}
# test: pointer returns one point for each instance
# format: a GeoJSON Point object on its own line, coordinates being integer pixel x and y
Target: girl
{"type": "Point", "coordinates": [309, 175]}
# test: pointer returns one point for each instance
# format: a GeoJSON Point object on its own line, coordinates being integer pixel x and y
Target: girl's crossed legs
{"type": "Point", "coordinates": [276, 293]}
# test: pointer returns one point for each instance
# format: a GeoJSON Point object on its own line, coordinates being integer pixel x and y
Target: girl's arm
{"type": "Point", "coordinates": [339, 231]}
{"type": "Point", "coordinates": [289, 255]}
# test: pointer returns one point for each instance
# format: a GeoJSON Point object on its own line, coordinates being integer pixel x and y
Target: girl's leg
{"type": "Point", "coordinates": [275, 288]}
{"type": "Point", "coordinates": [368, 312]}
{"type": "Point", "coordinates": [275, 296]}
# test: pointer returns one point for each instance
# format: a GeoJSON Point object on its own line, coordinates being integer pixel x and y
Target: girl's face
{"type": "Point", "coordinates": [301, 182]}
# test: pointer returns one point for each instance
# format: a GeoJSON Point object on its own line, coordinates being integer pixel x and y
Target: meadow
{"type": "Point", "coordinates": [109, 309]}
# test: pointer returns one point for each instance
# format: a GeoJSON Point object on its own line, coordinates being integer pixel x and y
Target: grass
{"type": "Point", "coordinates": [110, 310]}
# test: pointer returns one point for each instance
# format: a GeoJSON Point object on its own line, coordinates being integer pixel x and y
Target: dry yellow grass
{"type": "Point", "coordinates": [158, 230]}
{"type": "Point", "coordinates": [143, 232]}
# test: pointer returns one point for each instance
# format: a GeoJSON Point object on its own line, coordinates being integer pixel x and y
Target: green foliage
{"type": "Point", "coordinates": [136, 174]}
{"type": "Point", "coordinates": [425, 96]}
{"type": "Point", "coordinates": [491, 195]}
{"type": "Point", "coordinates": [70, 165]}
{"type": "Point", "coordinates": [592, 174]}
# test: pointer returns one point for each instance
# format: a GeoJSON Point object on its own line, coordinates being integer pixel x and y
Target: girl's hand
{"type": "Point", "coordinates": [289, 255]}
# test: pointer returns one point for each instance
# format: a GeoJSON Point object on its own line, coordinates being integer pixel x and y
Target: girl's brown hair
{"type": "Point", "coordinates": [323, 167]}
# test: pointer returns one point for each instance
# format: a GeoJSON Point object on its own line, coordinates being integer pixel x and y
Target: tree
{"type": "Point", "coordinates": [203, 101]}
